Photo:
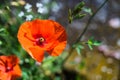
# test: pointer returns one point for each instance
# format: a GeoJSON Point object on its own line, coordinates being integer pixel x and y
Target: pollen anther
{"type": "Point", "coordinates": [41, 39]}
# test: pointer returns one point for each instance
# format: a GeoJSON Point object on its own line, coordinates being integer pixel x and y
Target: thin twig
{"type": "Point", "coordinates": [85, 29]}
{"type": "Point", "coordinates": [89, 21]}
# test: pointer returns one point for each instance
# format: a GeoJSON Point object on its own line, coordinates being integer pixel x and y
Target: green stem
{"type": "Point", "coordinates": [85, 29]}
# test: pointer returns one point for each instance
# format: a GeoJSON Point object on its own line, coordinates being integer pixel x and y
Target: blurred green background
{"type": "Point", "coordinates": [101, 63]}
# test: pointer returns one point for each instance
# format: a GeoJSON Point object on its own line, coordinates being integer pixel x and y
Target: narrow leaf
{"type": "Point", "coordinates": [80, 46]}
{"type": "Point", "coordinates": [79, 16]}
{"type": "Point", "coordinates": [97, 43]}
{"type": "Point", "coordinates": [78, 8]}
{"type": "Point", "coordinates": [78, 50]}
{"type": "Point", "coordinates": [87, 10]}
{"type": "Point", "coordinates": [89, 42]}
{"type": "Point", "coordinates": [70, 16]}
{"type": "Point", "coordinates": [90, 46]}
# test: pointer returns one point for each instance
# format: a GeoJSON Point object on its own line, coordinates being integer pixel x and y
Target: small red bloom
{"type": "Point", "coordinates": [38, 36]}
{"type": "Point", "coordinates": [9, 68]}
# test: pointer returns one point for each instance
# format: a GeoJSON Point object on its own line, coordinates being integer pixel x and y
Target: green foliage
{"type": "Point", "coordinates": [52, 64]}
{"type": "Point", "coordinates": [78, 8]}
{"type": "Point", "coordinates": [87, 10]}
{"type": "Point", "coordinates": [92, 42]}
{"type": "Point", "coordinates": [70, 18]}
{"type": "Point", "coordinates": [76, 12]}
{"type": "Point", "coordinates": [79, 16]}
{"type": "Point", "coordinates": [78, 47]}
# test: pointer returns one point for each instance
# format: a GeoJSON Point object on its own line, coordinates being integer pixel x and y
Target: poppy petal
{"type": "Point", "coordinates": [58, 49]}
{"type": "Point", "coordinates": [58, 37]}
{"type": "Point", "coordinates": [12, 60]}
{"type": "Point", "coordinates": [16, 71]}
{"type": "Point", "coordinates": [42, 27]}
{"type": "Point", "coordinates": [37, 53]}
{"type": "Point", "coordinates": [24, 30]}
{"type": "Point", "coordinates": [24, 36]}
{"type": "Point", "coordinates": [5, 76]}
{"type": "Point", "coordinates": [60, 32]}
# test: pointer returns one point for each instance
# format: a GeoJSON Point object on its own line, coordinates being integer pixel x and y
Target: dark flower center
{"type": "Point", "coordinates": [9, 69]}
{"type": "Point", "coordinates": [40, 41]}
{"type": "Point", "coordinates": [5, 64]}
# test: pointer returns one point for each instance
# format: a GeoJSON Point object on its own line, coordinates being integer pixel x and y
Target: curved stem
{"type": "Point", "coordinates": [85, 29]}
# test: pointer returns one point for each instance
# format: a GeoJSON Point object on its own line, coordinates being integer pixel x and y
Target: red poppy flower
{"type": "Point", "coordinates": [9, 68]}
{"type": "Point", "coordinates": [38, 36]}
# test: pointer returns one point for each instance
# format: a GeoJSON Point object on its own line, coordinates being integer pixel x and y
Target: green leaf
{"type": "Point", "coordinates": [25, 75]}
{"type": "Point", "coordinates": [90, 46]}
{"type": "Point", "coordinates": [78, 8]}
{"type": "Point", "coordinates": [70, 18]}
{"type": "Point", "coordinates": [48, 59]}
{"type": "Point", "coordinates": [90, 42]}
{"type": "Point", "coordinates": [0, 42]}
{"type": "Point", "coordinates": [79, 16]}
{"type": "Point", "coordinates": [2, 29]}
{"type": "Point", "coordinates": [78, 50]}
{"type": "Point", "coordinates": [80, 46]}
{"type": "Point", "coordinates": [97, 43]}
{"type": "Point", "coordinates": [8, 8]}
{"type": "Point", "coordinates": [87, 10]}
